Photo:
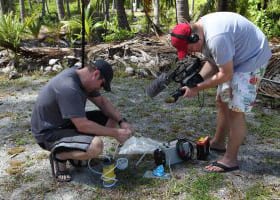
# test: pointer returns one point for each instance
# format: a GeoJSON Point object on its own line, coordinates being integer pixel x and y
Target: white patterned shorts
{"type": "Point", "coordinates": [240, 93]}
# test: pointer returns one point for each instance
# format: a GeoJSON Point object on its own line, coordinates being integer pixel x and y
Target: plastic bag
{"type": "Point", "coordinates": [139, 145]}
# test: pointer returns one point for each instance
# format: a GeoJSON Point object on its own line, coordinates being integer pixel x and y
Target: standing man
{"type": "Point", "coordinates": [241, 52]}
{"type": "Point", "coordinates": [61, 125]}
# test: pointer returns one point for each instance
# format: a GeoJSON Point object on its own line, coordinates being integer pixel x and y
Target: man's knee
{"type": "Point", "coordinates": [96, 147]}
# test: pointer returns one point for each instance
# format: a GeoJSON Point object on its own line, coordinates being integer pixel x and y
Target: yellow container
{"type": "Point", "coordinates": [108, 175]}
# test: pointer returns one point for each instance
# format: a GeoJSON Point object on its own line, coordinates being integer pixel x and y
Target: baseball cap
{"type": "Point", "coordinates": [106, 71]}
{"type": "Point", "coordinates": [180, 43]}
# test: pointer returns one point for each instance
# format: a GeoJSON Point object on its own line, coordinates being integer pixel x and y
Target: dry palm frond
{"type": "Point", "coordinates": [270, 84]}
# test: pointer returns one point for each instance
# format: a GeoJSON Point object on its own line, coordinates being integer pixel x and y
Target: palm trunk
{"type": "Point", "coordinates": [60, 9]}
{"type": "Point", "coordinates": [122, 18]}
{"type": "Point", "coordinates": [22, 10]}
{"type": "Point", "coordinates": [156, 12]}
{"type": "Point", "coordinates": [182, 9]}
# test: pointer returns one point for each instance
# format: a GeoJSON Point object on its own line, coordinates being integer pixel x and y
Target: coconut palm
{"type": "Point", "coordinates": [182, 11]}
{"type": "Point", "coordinates": [22, 10]}
{"type": "Point", "coordinates": [122, 18]}
{"type": "Point", "coordinates": [60, 9]}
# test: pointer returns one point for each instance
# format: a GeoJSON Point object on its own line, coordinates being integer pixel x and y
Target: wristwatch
{"type": "Point", "coordinates": [121, 121]}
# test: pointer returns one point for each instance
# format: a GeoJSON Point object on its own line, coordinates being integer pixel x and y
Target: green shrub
{"type": "Point", "coordinates": [12, 31]}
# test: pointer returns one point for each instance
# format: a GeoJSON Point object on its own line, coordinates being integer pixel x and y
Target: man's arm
{"type": "Point", "coordinates": [110, 111]}
{"type": "Point", "coordinates": [106, 107]}
{"type": "Point", "coordinates": [224, 74]}
{"type": "Point", "coordinates": [84, 125]}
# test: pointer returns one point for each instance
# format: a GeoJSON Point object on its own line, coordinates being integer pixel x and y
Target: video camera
{"type": "Point", "coordinates": [187, 73]}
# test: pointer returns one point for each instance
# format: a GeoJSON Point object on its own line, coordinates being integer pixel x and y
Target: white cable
{"type": "Point", "coordinates": [140, 159]}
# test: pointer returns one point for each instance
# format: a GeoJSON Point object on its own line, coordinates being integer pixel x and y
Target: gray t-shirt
{"type": "Point", "coordinates": [61, 99]}
{"type": "Point", "coordinates": [230, 36]}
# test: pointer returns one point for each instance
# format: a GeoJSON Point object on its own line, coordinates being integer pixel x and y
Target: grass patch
{"type": "Point", "coordinates": [196, 187]}
{"type": "Point", "coordinates": [269, 127]}
{"type": "Point", "coordinates": [16, 84]}
{"type": "Point", "coordinates": [22, 138]}
{"type": "Point", "coordinates": [258, 192]}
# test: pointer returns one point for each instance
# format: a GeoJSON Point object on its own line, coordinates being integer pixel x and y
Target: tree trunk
{"type": "Point", "coordinates": [222, 5]}
{"type": "Point", "coordinates": [60, 9]}
{"type": "Point", "coordinates": [68, 9]}
{"type": "Point", "coordinates": [122, 18]}
{"type": "Point", "coordinates": [182, 10]}
{"type": "Point", "coordinates": [30, 5]}
{"type": "Point", "coordinates": [192, 8]}
{"type": "Point", "coordinates": [113, 4]}
{"type": "Point", "coordinates": [47, 6]}
{"type": "Point", "coordinates": [2, 10]}
{"type": "Point", "coordinates": [22, 10]}
{"type": "Point", "coordinates": [265, 2]}
{"type": "Point", "coordinates": [79, 6]}
{"type": "Point", "coordinates": [226, 5]}
{"type": "Point", "coordinates": [107, 7]}
{"type": "Point", "coordinates": [156, 12]}
{"type": "Point", "coordinates": [43, 8]}
{"type": "Point", "coordinates": [11, 6]}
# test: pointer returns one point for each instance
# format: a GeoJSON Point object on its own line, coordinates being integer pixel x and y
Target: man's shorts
{"type": "Point", "coordinates": [67, 138]}
{"type": "Point", "coordinates": [240, 93]}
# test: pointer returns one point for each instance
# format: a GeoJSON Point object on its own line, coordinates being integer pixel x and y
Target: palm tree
{"type": "Point", "coordinates": [226, 5]}
{"type": "Point", "coordinates": [43, 8]}
{"type": "Point", "coordinates": [2, 11]}
{"type": "Point", "coordinates": [156, 12]}
{"type": "Point", "coordinates": [147, 4]}
{"type": "Point", "coordinates": [122, 18]}
{"type": "Point", "coordinates": [22, 10]}
{"type": "Point", "coordinates": [79, 6]}
{"type": "Point", "coordinates": [60, 9]}
{"type": "Point", "coordinates": [10, 6]}
{"type": "Point", "coordinates": [107, 7]}
{"type": "Point", "coordinates": [30, 5]}
{"type": "Point", "coordinates": [182, 11]}
{"type": "Point", "coordinates": [6, 6]}
{"type": "Point", "coordinates": [68, 8]}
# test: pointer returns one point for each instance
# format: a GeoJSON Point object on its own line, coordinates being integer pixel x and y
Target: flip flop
{"type": "Point", "coordinates": [223, 167]}
{"type": "Point", "coordinates": [217, 150]}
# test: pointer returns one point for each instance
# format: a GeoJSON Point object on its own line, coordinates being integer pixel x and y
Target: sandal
{"type": "Point", "coordinates": [58, 174]}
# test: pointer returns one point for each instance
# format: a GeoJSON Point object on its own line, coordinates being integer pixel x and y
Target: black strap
{"type": "Point", "coordinates": [184, 37]}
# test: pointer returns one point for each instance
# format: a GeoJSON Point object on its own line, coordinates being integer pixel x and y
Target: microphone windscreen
{"type": "Point", "coordinates": [157, 85]}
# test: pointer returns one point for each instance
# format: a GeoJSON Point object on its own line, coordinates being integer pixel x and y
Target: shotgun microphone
{"type": "Point", "coordinates": [157, 85]}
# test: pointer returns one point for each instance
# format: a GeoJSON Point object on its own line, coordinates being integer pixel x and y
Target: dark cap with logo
{"type": "Point", "coordinates": [106, 71]}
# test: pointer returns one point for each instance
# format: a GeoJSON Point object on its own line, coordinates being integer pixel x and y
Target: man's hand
{"type": "Point", "coordinates": [126, 125]}
{"type": "Point", "coordinates": [123, 135]}
{"type": "Point", "coordinates": [190, 92]}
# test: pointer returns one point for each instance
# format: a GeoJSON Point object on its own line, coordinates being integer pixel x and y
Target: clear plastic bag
{"type": "Point", "coordinates": [139, 145]}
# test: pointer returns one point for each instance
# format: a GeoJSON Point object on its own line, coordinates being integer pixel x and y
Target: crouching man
{"type": "Point", "coordinates": [61, 125]}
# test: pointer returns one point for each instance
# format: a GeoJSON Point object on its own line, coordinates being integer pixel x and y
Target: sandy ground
{"type": "Point", "coordinates": [259, 159]}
